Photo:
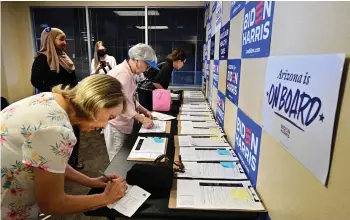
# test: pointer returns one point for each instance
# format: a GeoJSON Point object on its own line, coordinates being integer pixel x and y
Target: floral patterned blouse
{"type": "Point", "coordinates": [34, 132]}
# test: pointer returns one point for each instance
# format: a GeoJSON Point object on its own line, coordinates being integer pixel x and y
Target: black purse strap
{"type": "Point", "coordinates": [180, 166]}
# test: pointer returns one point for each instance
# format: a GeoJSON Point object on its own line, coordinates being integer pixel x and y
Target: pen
{"type": "Point", "coordinates": [104, 175]}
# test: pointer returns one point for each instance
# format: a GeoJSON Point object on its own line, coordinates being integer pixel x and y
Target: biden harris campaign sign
{"type": "Point", "coordinates": [247, 144]}
{"type": "Point", "coordinates": [224, 36]}
{"type": "Point", "coordinates": [257, 29]}
{"type": "Point", "coordinates": [301, 96]}
{"type": "Point", "coordinates": [220, 109]}
{"type": "Point", "coordinates": [216, 73]}
{"type": "Point", "coordinates": [236, 7]}
{"type": "Point", "coordinates": [232, 80]}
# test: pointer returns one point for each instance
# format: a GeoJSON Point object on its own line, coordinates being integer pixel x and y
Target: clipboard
{"type": "Point", "coordinates": [148, 159]}
{"type": "Point", "coordinates": [173, 201]}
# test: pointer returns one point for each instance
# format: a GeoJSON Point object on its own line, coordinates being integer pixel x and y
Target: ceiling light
{"type": "Point", "coordinates": [137, 13]}
{"type": "Point", "coordinates": [153, 27]}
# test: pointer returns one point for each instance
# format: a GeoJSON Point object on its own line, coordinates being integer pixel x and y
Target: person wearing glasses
{"type": "Point", "coordinates": [141, 58]}
{"type": "Point", "coordinates": [175, 60]}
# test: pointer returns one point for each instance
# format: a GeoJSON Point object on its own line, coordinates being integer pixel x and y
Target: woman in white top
{"type": "Point", "coordinates": [102, 63]}
{"type": "Point", "coordinates": [37, 139]}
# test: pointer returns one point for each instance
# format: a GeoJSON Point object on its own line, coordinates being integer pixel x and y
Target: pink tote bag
{"type": "Point", "coordinates": [161, 100]}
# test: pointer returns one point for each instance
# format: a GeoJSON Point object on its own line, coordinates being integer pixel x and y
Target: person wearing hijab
{"type": "Point", "coordinates": [102, 63]}
{"type": "Point", "coordinates": [51, 67]}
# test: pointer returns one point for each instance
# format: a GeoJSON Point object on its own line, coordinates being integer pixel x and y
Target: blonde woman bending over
{"type": "Point", "coordinates": [37, 139]}
{"type": "Point", "coordinates": [102, 63]}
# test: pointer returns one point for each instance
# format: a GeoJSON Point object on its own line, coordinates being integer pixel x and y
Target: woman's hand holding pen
{"type": "Point", "coordinates": [115, 190]}
{"type": "Point", "coordinates": [147, 123]}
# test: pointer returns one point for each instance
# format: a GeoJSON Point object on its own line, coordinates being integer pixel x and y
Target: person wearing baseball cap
{"type": "Point", "coordinates": [141, 58]}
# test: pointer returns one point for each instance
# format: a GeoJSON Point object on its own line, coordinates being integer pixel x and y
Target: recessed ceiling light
{"type": "Point", "coordinates": [153, 27]}
{"type": "Point", "coordinates": [137, 13]}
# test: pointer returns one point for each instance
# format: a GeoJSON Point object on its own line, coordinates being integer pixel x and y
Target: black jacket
{"type": "Point", "coordinates": [44, 79]}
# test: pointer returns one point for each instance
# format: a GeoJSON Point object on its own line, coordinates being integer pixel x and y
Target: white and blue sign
{"type": "Point", "coordinates": [232, 80]}
{"type": "Point", "coordinates": [220, 109]}
{"type": "Point", "coordinates": [247, 144]}
{"type": "Point", "coordinates": [300, 104]}
{"type": "Point", "coordinates": [236, 7]}
{"type": "Point", "coordinates": [224, 40]}
{"type": "Point", "coordinates": [257, 29]}
{"type": "Point", "coordinates": [216, 73]}
{"type": "Point", "coordinates": [209, 28]}
{"type": "Point", "coordinates": [214, 7]}
{"type": "Point", "coordinates": [207, 72]}
{"type": "Point", "coordinates": [212, 47]}
{"type": "Point", "coordinates": [218, 17]}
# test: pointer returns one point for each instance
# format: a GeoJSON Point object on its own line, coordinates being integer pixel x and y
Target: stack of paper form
{"type": "Point", "coordinates": [162, 117]}
{"type": "Point", "coordinates": [213, 170]}
{"type": "Point", "coordinates": [188, 128]}
{"type": "Point", "coordinates": [217, 195]}
{"type": "Point", "coordinates": [159, 127]}
{"type": "Point", "coordinates": [186, 109]}
{"type": "Point", "coordinates": [196, 117]}
{"type": "Point", "coordinates": [147, 148]}
{"type": "Point", "coordinates": [192, 154]}
{"type": "Point", "coordinates": [202, 124]}
{"type": "Point", "coordinates": [131, 201]}
{"type": "Point", "coordinates": [196, 105]}
{"type": "Point", "coordinates": [202, 141]}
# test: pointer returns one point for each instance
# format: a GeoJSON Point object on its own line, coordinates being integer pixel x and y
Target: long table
{"type": "Point", "coordinates": [158, 207]}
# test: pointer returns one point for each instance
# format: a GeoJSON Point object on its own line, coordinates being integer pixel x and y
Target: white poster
{"type": "Point", "coordinates": [218, 18]}
{"type": "Point", "coordinates": [210, 88]}
{"type": "Point", "coordinates": [301, 95]}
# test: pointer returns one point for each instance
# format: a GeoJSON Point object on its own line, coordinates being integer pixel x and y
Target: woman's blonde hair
{"type": "Point", "coordinates": [96, 57]}
{"type": "Point", "coordinates": [93, 94]}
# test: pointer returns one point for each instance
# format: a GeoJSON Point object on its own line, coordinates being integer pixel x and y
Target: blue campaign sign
{"type": "Point", "coordinates": [224, 38]}
{"type": "Point", "coordinates": [209, 27]}
{"type": "Point", "coordinates": [232, 80]}
{"type": "Point", "coordinates": [216, 73]}
{"type": "Point", "coordinates": [214, 7]}
{"type": "Point", "coordinates": [236, 7]}
{"type": "Point", "coordinates": [220, 109]}
{"type": "Point", "coordinates": [257, 29]}
{"type": "Point", "coordinates": [212, 47]}
{"type": "Point", "coordinates": [247, 144]}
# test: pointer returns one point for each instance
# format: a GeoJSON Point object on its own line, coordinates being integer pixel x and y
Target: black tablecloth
{"type": "Point", "coordinates": [158, 207]}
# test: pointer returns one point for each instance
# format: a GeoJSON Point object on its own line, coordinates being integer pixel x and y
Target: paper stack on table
{"type": "Point", "coordinates": [162, 117]}
{"type": "Point", "coordinates": [147, 148]}
{"type": "Point", "coordinates": [159, 127]}
{"type": "Point", "coordinates": [133, 199]}
{"type": "Point", "coordinates": [207, 154]}
{"type": "Point", "coordinates": [217, 195]}
{"type": "Point", "coordinates": [202, 141]}
{"type": "Point", "coordinates": [213, 170]}
{"type": "Point", "coordinates": [196, 117]}
{"type": "Point", "coordinates": [190, 128]}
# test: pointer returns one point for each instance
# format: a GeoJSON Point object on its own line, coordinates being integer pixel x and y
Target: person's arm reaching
{"type": "Point", "coordinates": [77, 177]}
{"type": "Point", "coordinates": [40, 72]}
{"type": "Point", "coordinates": [126, 80]}
{"type": "Point", "coordinates": [48, 155]}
